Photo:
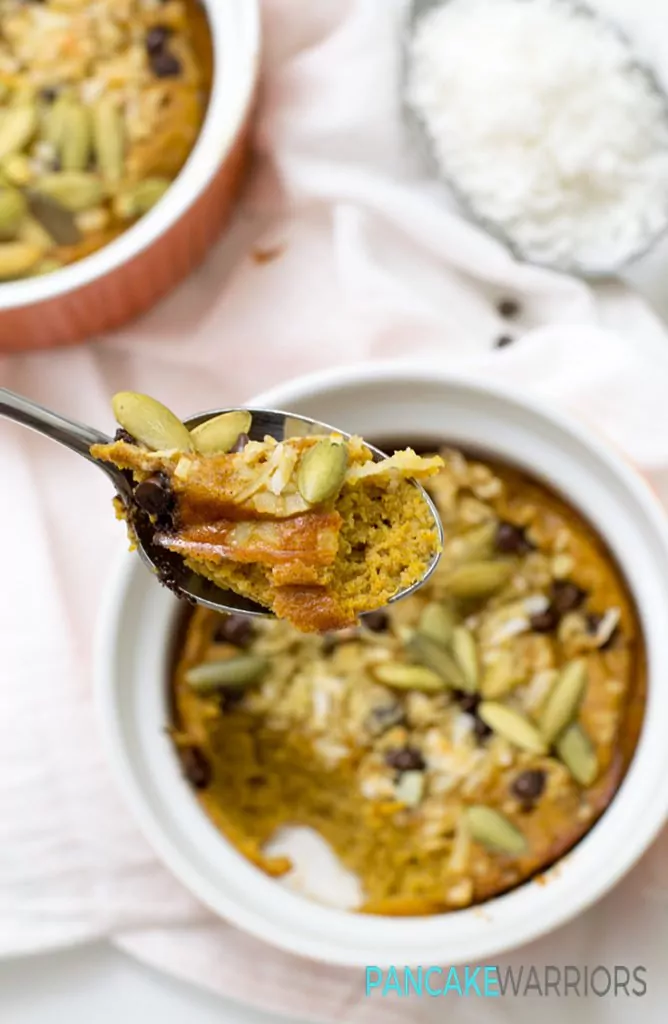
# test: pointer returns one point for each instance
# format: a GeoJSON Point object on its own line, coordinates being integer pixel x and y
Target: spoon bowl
{"type": "Point", "coordinates": [188, 584]}
{"type": "Point", "coordinates": [419, 137]}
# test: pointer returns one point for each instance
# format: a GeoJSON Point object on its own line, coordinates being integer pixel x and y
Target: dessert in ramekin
{"type": "Point", "coordinates": [449, 747]}
{"type": "Point", "coordinates": [123, 145]}
{"type": "Point", "coordinates": [139, 641]}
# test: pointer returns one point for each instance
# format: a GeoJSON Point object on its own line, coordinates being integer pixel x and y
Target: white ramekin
{"type": "Point", "coordinates": [148, 260]}
{"type": "Point", "coordinates": [133, 652]}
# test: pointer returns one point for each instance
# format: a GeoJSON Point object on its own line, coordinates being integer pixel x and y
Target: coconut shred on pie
{"type": "Point", "coordinates": [311, 527]}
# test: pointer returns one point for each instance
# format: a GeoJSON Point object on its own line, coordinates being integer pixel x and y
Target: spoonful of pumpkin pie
{"type": "Point", "coordinates": [267, 512]}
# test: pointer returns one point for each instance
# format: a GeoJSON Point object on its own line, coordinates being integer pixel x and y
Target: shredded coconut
{"type": "Point", "coordinates": [511, 628]}
{"type": "Point", "coordinates": [542, 121]}
{"type": "Point", "coordinates": [608, 625]}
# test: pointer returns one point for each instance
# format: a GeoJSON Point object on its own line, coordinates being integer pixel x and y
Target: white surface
{"type": "Point", "coordinates": [100, 985]}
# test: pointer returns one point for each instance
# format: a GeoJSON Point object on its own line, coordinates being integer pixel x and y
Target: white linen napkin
{"type": "Point", "coordinates": [370, 263]}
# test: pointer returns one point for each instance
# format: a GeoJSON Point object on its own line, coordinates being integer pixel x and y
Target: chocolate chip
{"type": "Point", "coordinates": [196, 767]}
{"type": "Point", "coordinates": [156, 38]}
{"type": "Point", "coordinates": [512, 539]}
{"type": "Point", "coordinates": [165, 65]}
{"type": "Point", "coordinates": [529, 785]}
{"type": "Point", "coordinates": [481, 729]}
{"type": "Point", "coordinates": [545, 622]}
{"type": "Point", "coordinates": [377, 622]}
{"type": "Point", "coordinates": [49, 93]}
{"type": "Point", "coordinates": [240, 443]}
{"type": "Point", "coordinates": [566, 596]}
{"type": "Point", "coordinates": [230, 698]}
{"type": "Point", "coordinates": [468, 702]}
{"type": "Point", "coordinates": [234, 629]}
{"type": "Point", "coordinates": [407, 759]}
{"type": "Point", "coordinates": [154, 495]}
{"type": "Point", "coordinates": [170, 570]}
{"type": "Point", "coordinates": [122, 435]}
{"type": "Point", "coordinates": [509, 308]}
{"type": "Point", "coordinates": [504, 341]}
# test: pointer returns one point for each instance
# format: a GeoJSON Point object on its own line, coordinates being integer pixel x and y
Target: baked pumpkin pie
{"type": "Point", "coordinates": [310, 527]}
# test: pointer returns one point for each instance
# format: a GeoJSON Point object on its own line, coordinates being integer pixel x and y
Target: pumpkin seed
{"type": "Point", "coordinates": [500, 677]}
{"type": "Point", "coordinates": [407, 677]}
{"type": "Point", "coordinates": [563, 701]}
{"type": "Point", "coordinates": [141, 198]}
{"type": "Point", "coordinates": [436, 658]}
{"type": "Point", "coordinates": [53, 121]}
{"type": "Point", "coordinates": [494, 830]}
{"type": "Point", "coordinates": [577, 752]}
{"type": "Point", "coordinates": [437, 623]}
{"type": "Point", "coordinates": [512, 726]}
{"type": "Point", "coordinates": [477, 579]}
{"type": "Point", "coordinates": [475, 544]}
{"type": "Point", "coordinates": [221, 433]}
{"type": "Point", "coordinates": [75, 137]}
{"type": "Point", "coordinates": [18, 169]}
{"type": "Point", "coordinates": [74, 190]}
{"type": "Point", "coordinates": [31, 231]}
{"type": "Point", "coordinates": [109, 139]}
{"type": "Point", "coordinates": [322, 470]}
{"type": "Point", "coordinates": [410, 788]}
{"type": "Point", "coordinates": [465, 651]}
{"type": "Point", "coordinates": [17, 127]}
{"type": "Point", "coordinates": [17, 259]}
{"type": "Point", "coordinates": [54, 220]}
{"type": "Point", "coordinates": [13, 209]}
{"type": "Point", "coordinates": [150, 422]}
{"type": "Point", "coordinates": [240, 670]}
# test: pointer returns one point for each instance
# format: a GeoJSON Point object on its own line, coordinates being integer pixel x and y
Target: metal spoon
{"type": "Point", "coordinates": [79, 438]}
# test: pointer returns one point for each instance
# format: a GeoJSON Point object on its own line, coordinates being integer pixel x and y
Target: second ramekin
{"type": "Point", "coordinates": [128, 276]}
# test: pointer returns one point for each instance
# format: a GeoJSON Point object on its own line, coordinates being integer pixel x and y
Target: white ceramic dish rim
{"type": "Point", "coordinates": [255, 903]}
{"type": "Point", "coordinates": [235, 32]}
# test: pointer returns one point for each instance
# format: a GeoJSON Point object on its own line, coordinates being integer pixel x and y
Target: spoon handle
{"type": "Point", "coordinates": [75, 436]}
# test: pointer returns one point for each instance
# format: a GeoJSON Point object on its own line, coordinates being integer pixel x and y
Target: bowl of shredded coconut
{"type": "Point", "coordinates": [547, 128]}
